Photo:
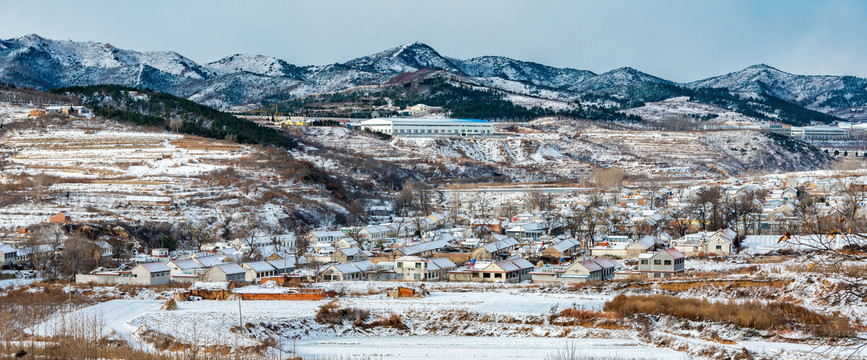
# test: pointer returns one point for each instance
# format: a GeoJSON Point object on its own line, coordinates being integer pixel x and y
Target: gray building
{"type": "Point", "coordinates": [664, 263]}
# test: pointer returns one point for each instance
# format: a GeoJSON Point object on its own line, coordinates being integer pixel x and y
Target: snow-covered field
{"type": "Point", "coordinates": [463, 347]}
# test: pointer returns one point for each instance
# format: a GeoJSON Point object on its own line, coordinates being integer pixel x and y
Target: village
{"type": "Point", "coordinates": [137, 246]}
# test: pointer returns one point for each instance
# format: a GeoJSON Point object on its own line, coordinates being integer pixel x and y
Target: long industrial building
{"type": "Point", "coordinates": [429, 127]}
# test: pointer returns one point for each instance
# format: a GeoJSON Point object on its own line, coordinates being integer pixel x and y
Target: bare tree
{"type": "Point", "coordinates": [176, 124]}
{"type": "Point", "coordinates": [609, 179]}
{"type": "Point", "coordinates": [79, 255]}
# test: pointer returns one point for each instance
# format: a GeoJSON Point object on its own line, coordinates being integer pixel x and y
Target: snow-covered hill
{"type": "Point", "coordinates": [844, 96]}
{"type": "Point", "coordinates": [243, 79]}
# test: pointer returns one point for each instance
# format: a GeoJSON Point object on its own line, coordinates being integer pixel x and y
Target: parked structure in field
{"type": "Point", "coordinates": [429, 127]}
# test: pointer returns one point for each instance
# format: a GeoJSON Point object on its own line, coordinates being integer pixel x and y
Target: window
{"type": "Point", "coordinates": [656, 275]}
{"type": "Point", "coordinates": [643, 262]}
{"type": "Point", "coordinates": [416, 276]}
{"type": "Point", "coordinates": [718, 247]}
{"type": "Point", "coordinates": [667, 262]}
{"type": "Point", "coordinates": [486, 275]}
{"type": "Point", "coordinates": [657, 262]}
{"type": "Point", "coordinates": [418, 265]}
{"type": "Point", "coordinates": [399, 265]}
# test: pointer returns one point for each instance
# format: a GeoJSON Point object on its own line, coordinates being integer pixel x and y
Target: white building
{"type": "Point", "coordinates": [429, 127]}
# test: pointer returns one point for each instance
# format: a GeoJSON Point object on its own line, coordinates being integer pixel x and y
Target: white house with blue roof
{"type": "Point", "coordinates": [429, 127]}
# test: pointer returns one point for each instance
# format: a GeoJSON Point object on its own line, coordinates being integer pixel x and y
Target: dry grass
{"type": "Point", "coordinates": [753, 314]}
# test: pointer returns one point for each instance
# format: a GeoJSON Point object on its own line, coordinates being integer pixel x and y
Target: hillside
{"type": "Point", "coordinates": [758, 91]}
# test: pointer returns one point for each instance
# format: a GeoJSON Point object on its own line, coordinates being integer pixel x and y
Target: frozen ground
{"type": "Point", "coordinates": [480, 348]}
{"type": "Point", "coordinates": [113, 316]}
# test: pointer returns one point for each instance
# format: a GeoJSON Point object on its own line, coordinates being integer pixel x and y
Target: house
{"type": "Point", "coordinates": [37, 112]}
{"type": "Point", "coordinates": [530, 230]}
{"type": "Point", "coordinates": [416, 268]}
{"type": "Point", "coordinates": [226, 272]}
{"type": "Point", "coordinates": [160, 253]}
{"type": "Point", "coordinates": [663, 263]}
{"type": "Point", "coordinates": [348, 255]}
{"type": "Point", "coordinates": [155, 273]}
{"type": "Point", "coordinates": [345, 243]}
{"type": "Point", "coordinates": [348, 271]}
{"type": "Point", "coordinates": [563, 249]}
{"type": "Point", "coordinates": [185, 270]}
{"type": "Point", "coordinates": [9, 255]}
{"type": "Point", "coordinates": [496, 249]}
{"type": "Point", "coordinates": [716, 243]}
{"type": "Point", "coordinates": [595, 269]}
{"type": "Point", "coordinates": [325, 236]}
{"type": "Point", "coordinates": [61, 218]}
{"type": "Point", "coordinates": [423, 249]}
{"type": "Point", "coordinates": [376, 232]}
{"type": "Point", "coordinates": [623, 250]}
{"type": "Point", "coordinates": [283, 265]}
{"type": "Point", "coordinates": [105, 249]}
{"type": "Point", "coordinates": [257, 270]}
{"type": "Point", "coordinates": [511, 271]}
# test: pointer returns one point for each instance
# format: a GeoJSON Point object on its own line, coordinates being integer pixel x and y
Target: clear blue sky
{"type": "Point", "coordinates": [677, 40]}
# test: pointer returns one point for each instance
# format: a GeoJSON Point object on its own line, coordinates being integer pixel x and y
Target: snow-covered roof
{"type": "Point", "coordinates": [365, 265]}
{"type": "Point", "coordinates": [514, 264]}
{"type": "Point", "coordinates": [231, 269]}
{"type": "Point", "coordinates": [424, 246]}
{"type": "Point", "coordinates": [441, 263]}
{"type": "Point", "coordinates": [500, 244]}
{"type": "Point", "coordinates": [156, 267]}
{"type": "Point", "coordinates": [288, 263]}
{"type": "Point", "coordinates": [259, 266]}
{"type": "Point", "coordinates": [590, 265]}
{"type": "Point", "coordinates": [409, 258]}
{"type": "Point", "coordinates": [565, 245]}
{"type": "Point", "coordinates": [186, 264]}
{"type": "Point", "coordinates": [605, 262]}
{"type": "Point", "coordinates": [208, 261]}
{"type": "Point", "coordinates": [350, 251]}
{"type": "Point", "coordinates": [6, 249]}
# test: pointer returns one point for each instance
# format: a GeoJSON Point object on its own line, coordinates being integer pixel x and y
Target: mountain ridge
{"type": "Point", "coordinates": [238, 79]}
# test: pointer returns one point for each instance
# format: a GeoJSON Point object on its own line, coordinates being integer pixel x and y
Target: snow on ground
{"type": "Point", "coordinates": [464, 347]}
{"type": "Point", "coordinates": [113, 316]}
{"type": "Point", "coordinates": [15, 283]}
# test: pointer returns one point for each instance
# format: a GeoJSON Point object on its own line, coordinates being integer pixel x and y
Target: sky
{"type": "Point", "coordinates": [677, 40]}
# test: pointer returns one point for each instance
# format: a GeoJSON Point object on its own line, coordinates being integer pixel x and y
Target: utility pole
{"type": "Point", "coordinates": [240, 321]}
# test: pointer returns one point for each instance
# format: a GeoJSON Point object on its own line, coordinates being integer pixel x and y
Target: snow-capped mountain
{"type": "Point", "coordinates": [242, 79]}
{"type": "Point", "coordinates": [257, 64]}
{"type": "Point", "coordinates": [825, 93]}
{"type": "Point", "coordinates": [404, 58]}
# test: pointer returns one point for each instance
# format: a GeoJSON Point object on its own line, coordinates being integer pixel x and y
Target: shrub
{"type": "Point", "coordinates": [751, 314]}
